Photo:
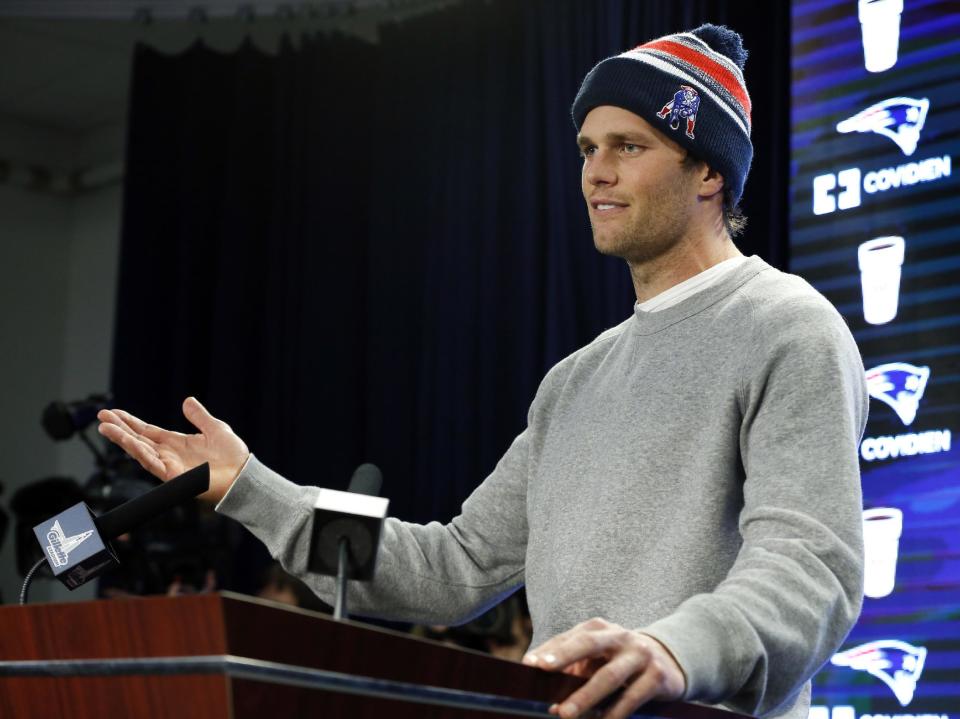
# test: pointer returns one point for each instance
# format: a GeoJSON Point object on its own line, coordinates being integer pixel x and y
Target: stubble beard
{"type": "Point", "coordinates": [647, 236]}
{"type": "Point", "coordinates": [656, 228]}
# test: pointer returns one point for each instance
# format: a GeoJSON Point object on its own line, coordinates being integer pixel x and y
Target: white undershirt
{"type": "Point", "coordinates": [701, 281]}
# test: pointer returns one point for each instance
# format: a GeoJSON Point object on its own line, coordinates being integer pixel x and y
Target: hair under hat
{"type": "Point", "coordinates": [690, 87]}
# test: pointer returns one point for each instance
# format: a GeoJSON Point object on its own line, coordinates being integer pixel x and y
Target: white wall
{"type": "Point", "coordinates": [58, 260]}
{"type": "Point", "coordinates": [34, 255]}
{"type": "Point", "coordinates": [89, 308]}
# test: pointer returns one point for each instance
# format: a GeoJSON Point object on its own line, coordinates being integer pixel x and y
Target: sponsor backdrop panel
{"type": "Point", "coordinates": [875, 226]}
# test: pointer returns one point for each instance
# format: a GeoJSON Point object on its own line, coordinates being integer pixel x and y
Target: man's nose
{"type": "Point", "coordinates": [600, 170]}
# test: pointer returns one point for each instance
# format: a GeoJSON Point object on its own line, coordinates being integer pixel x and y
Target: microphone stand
{"type": "Point", "coordinates": [29, 578]}
{"type": "Point", "coordinates": [346, 533]}
{"type": "Point", "coordinates": [340, 605]}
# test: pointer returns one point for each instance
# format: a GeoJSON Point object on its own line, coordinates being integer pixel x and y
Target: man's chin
{"type": "Point", "coordinates": [633, 251]}
{"type": "Point", "coordinates": [610, 246]}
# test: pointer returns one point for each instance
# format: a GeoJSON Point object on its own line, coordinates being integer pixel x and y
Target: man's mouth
{"type": "Point", "coordinates": [605, 204]}
{"type": "Point", "coordinates": [607, 207]}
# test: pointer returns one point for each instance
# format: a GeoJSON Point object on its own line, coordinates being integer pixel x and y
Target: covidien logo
{"type": "Point", "coordinates": [846, 711]}
{"type": "Point", "coordinates": [899, 385]}
{"type": "Point", "coordinates": [843, 190]}
{"type": "Point", "coordinates": [895, 663]}
{"type": "Point", "coordinates": [899, 118]}
{"type": "Point", "coordinates": [824, 199]}
{"type": "Point", "coordinates": [837, 712]}
{"type": "Point", "coordinates": [59, 545]}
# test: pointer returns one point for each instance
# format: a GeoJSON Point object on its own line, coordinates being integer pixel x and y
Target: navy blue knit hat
{"type": "Point", "coordinates": [690, 87]}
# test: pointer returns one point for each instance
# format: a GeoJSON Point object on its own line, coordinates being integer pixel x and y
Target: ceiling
{"type": "Point", "coordinates": [66, 63]}
{"type": "Point", "coordinates": [180, 9]}
{"type": "Point", "coordinates": [62, 75]}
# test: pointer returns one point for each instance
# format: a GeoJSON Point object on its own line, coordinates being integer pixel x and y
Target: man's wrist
{"type": "Point", "coordinates": [233, 481]}
{"type": "Point", "coordinates": [669, 655]}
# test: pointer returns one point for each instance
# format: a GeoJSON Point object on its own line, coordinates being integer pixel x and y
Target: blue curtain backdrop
{"type": "Point", "coordinates": [357, 252]}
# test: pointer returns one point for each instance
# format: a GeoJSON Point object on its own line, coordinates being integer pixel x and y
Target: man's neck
{"type": "Point", "coordinates": [689, 257]}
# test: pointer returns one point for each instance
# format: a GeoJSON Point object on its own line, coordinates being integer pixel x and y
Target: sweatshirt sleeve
{"type": "Point", "coordinates": [796, 587]}
{"type": "Point", "coordinates": [433, 573]}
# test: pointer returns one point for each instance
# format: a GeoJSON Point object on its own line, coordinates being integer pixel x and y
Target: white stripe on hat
{"type": "Point", "coordinates": [647, 57]}
{"type": "Point", "coordinates": [718, 56]}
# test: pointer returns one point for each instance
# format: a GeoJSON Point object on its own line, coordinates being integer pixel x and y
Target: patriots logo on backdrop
{"type": "Point", "coordinates": [895, 663]}
{"type": "Point", "coordinates": [899, 118]}
{"type": "Point", "coordinates": [900, 385]}
{"type": "Point", "coordinates": [683, 106]}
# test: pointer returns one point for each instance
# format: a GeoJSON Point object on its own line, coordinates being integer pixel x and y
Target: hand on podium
{"type": "Point", "coordinates": [612, 658]}
{"type": "Point", "coordinates": [167, 454]}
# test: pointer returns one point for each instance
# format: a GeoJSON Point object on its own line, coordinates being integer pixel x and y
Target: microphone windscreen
{"type": "Point", "coordinates": [367, 479]}
{"type": "Point", "coordinates": [157, 501]}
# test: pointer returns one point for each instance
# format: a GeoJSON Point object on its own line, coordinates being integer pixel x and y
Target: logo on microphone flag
{"type": "Point", "coordinates": [59, 545]}
{"type": "Point", "coordinates": [73, 547]}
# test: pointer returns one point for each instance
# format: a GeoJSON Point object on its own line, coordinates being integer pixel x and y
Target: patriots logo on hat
{"type": "Point", "coordinates": [899, 118]}
{"type": "Point", "coordinates": [899, 385]}
{"type": "Point", "coordinates": [895, 663]}
{"type": "Point", "coordinates": [684, 105]}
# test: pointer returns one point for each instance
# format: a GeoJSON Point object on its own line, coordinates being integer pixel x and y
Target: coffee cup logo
{"type": "Point", "coordinates": [882, 527]}
{"type": "Point", "coordinates": [880, 260]}
{"type": "Point", "coordinates": [880, 29]}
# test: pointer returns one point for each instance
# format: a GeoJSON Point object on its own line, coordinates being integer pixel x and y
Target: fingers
{"type": "Point", "coordinates": [113, 423]}
{"type": "Point", "coordinates": [199, 417]}
{"type": "Point", "coordinates": [129, 442]}
{"type": "Point", "coordinates": [590, 639]}
{"type": "Point", "coordinates": [147, 431]}
{"type": "Point", "coordinates": [618, 658]}
{"type": "Point", "coordinates": [611, 677]}
{"type": "Point", "coordinates": [113, 417]}
{"type": "Point", "coordinates": [644, 688]}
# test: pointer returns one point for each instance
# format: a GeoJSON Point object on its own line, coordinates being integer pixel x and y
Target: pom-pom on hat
{"type": "Point", "coordinates": [690, 87]}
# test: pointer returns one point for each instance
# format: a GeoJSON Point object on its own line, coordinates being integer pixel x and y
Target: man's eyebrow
{"type": "Point", "coordinates": [613, 138]}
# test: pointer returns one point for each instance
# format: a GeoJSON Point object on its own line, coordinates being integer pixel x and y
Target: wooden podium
{"type": "Point", "coordinates": [233, 657]}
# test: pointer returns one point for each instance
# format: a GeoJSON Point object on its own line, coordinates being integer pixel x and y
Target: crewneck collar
{"type": "Point", "coordinates": [697, 283]}
{"type": "Point", "coordinates": [647, 323]}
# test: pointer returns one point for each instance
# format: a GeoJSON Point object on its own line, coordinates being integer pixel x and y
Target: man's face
{"type": "Point", "coordinates": [639, 193]}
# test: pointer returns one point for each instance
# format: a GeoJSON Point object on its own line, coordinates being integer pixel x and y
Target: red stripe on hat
{"type": "Point", "coordinates": [706, 64]}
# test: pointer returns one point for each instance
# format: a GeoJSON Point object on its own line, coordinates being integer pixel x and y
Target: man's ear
{"type": "Point", "coordinates": [711, 182]}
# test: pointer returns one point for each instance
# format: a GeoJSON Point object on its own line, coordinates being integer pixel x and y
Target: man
{"type": "Point", "coordinates": [684, 504]}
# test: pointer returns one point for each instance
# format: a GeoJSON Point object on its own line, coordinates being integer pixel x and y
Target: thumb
{"type": "Point", "coordinates": [198, 415]}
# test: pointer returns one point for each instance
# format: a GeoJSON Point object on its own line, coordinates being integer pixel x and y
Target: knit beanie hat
{"type": "Point", "coordinates": [690, 87]}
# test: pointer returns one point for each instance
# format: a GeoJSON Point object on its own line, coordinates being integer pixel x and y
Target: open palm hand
{"type": "Point", "coordinates": [167, 454]}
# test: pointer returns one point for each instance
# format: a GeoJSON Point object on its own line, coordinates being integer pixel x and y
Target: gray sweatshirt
{"type": "Point", "coordinates": [692, 473]}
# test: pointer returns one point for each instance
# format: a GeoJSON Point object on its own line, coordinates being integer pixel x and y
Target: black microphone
{"type": "Point", "coordinates": [75, 542]}
{"type": "Point", "coordinates": [346, 532]}
{"type": "Point", "coordinates": [366, 479]}
{"type": "Point", "coordinates": [158, 500]}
